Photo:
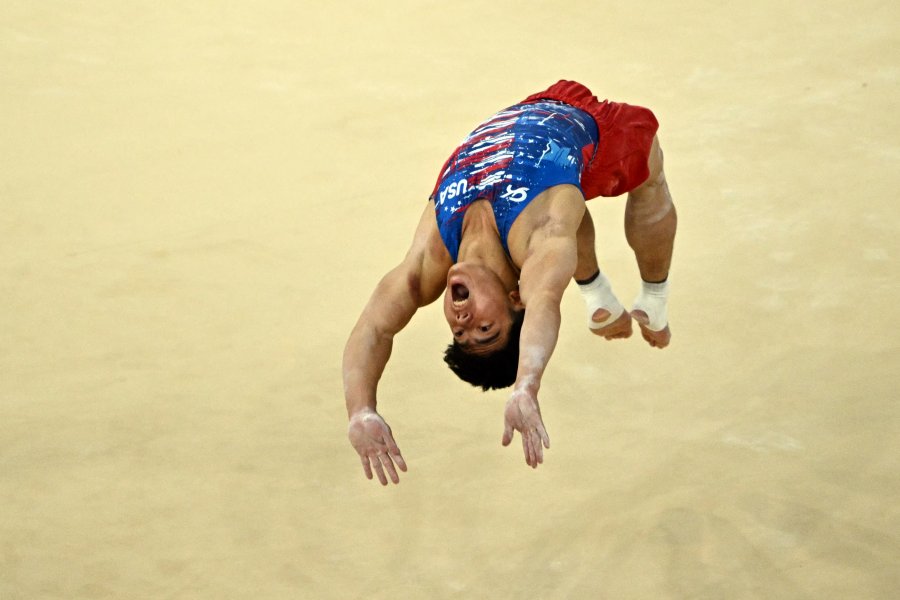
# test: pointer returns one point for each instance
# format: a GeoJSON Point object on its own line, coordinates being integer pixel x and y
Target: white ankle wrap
{"type": "Point", "coordinates": [598, 294]}
{"type": "Point", "coordinates": [652, 300]}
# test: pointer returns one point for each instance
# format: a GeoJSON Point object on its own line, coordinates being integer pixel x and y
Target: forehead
{"type": "Point", "coordinates": [488, 344]}
{"type": "Point", "coordinates": [479, 350]}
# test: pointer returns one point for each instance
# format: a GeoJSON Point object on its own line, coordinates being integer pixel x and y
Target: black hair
{"type": "Point", "coordinates": [492, 371]}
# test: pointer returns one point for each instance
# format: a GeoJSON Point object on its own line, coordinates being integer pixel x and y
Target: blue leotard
{"type": "Point", "coordinates": [510, 159]}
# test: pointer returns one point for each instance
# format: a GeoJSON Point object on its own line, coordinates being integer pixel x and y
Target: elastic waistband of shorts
{"type": "Point", "coordinates": [573, 94]}
{"type": "Point", "coordinates": [626, 137]}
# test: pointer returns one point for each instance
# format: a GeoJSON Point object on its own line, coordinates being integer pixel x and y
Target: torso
{"type": "Point", "coordinates": [554, 207]}
{"type": "Point", "coordinates": [512, 161]}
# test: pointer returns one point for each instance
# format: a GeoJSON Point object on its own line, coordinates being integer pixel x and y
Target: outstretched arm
{"type": "Point", "coordinates": [390, 308]}
{"type": "Point", "coordinates": [545, 274]}
{"type": "Point", "coordinates": [650, 224]}
{"type": "Point", "coordinates": [415, 282]}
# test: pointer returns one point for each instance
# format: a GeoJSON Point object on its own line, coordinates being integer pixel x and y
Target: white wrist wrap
{"type": "Point", "coordinates": [598, 294]}
{"type": "Point", "coordinates": [652, 300]}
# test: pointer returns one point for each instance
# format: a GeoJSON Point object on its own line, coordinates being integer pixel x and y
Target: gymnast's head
{"type": "Point", "coordinates": [485, 317]}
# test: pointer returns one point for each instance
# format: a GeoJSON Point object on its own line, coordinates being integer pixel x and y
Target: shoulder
{"type": "Point", "coordinates": [547, 248]}
{"type": "Point", "coordinates": [427, 261]}
{"type": "Point", "coordinates": [555, 214]}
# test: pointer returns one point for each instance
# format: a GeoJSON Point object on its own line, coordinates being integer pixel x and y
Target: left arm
{"type": "Point", "coordinates": [544, 278]}
{"type": "Point", "coordinates": [545, 274]}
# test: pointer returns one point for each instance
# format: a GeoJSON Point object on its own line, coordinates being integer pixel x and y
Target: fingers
{"type": "Point", "coordinates": [531, 446]}
{"type": "Point", "coordinates": [544, 437]}
{"type": "Point", "coordinates": [382, 463]}
{"type": "Point", "coordinates": [394, 452]}
{"type": "Point", "coordinates": [389, 467]}
{"type": "Point", "coordinates": [529, 450]}
{"type": "Point", "coordinates": [382, 459]}
{"type": "Point", "coordinates": [366, 467]}
{"type": "Point", "coordinates": [374, 442]}
{"type": "Point", "coordinates": [531, 428]}
{"type": "Point", "coordinates": [378, 469]}
{"type": "Point", "coordinates": [399, 460]}
{"type": "Point", "coordinates": [507, 434]}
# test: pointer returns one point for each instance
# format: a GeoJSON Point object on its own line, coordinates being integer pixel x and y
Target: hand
{"type": "Point", "coordinates": [617, 330]}
{"type": "Point", "coordinates": [523, 414]}
{"type": "Point", "coordinates": [374, 442]}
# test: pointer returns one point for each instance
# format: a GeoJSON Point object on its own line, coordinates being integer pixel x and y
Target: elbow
{"type": "Point", "coordinates": [414, 288]}
{"type": "Point", "coordinates": [546, 303]}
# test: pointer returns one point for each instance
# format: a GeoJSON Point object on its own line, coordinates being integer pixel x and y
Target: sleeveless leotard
{"type": "Point", "coordinates": [510, 159]}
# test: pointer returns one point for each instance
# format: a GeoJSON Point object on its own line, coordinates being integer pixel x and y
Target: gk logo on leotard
{"type": "Point", "coordinates": [515, 194]}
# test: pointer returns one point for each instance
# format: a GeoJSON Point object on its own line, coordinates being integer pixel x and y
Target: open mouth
{"type": "Point", "coordinates": [459, 294]}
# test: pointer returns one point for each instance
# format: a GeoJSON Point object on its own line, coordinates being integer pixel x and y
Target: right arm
{"type": "Point", "coordinates": [392, 305]}
{"type": "Point", "coordinates": [417, 281]}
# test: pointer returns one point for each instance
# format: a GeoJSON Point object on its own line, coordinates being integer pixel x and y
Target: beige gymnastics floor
{"type": "Point", "coordinates": [197, 201]}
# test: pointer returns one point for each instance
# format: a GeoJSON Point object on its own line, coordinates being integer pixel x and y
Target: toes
{"type": "Point", "coordinates": [619, 329]}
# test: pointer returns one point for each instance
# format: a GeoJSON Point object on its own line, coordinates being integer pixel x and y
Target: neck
{"type": "Point", "coordinates": [480, 244]}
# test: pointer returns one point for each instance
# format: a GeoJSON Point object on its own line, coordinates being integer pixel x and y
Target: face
{"type": "Point", "coordinates": [477, 308]}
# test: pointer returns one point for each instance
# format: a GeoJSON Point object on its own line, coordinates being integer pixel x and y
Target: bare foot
{"type": "Point", "coordinates": [617, 330]}
{"type": "Point", "coordinates": [657, 339]}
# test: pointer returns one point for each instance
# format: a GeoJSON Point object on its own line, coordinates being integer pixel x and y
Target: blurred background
{"type": "Point", "coordinates": [197, 200]}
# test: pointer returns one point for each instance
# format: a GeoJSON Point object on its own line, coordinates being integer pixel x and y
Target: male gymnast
{"type": "Point", "coordinates": [504, 230]}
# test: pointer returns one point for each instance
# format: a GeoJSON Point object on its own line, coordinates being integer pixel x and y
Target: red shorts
{"type": "Point", "coordinates": [619, 163]}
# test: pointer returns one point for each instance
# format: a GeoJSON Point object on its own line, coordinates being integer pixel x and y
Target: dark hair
{"type": "Point", "coordinates": [492, 371]}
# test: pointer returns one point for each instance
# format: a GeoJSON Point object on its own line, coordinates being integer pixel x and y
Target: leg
{"type": "Point", "coordinates": [651, 221]}
{"type": "Point", "coordinates": [650, 224]}
{"type": "Point", "coordinates": [587, 254]}
{"type": "Point", "coordinates": [595, 287]}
